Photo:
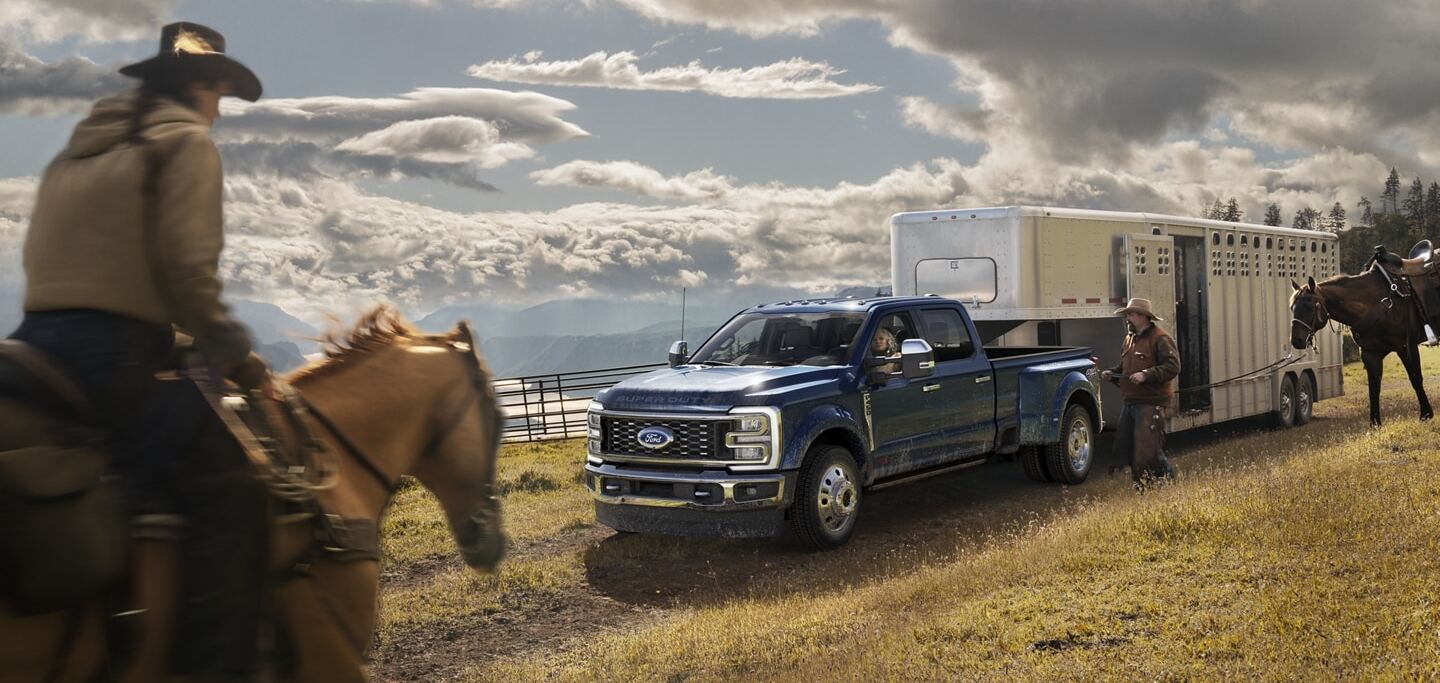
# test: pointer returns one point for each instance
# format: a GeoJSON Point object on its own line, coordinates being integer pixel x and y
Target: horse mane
{"type": "Point", "coordinates": [380, 327]}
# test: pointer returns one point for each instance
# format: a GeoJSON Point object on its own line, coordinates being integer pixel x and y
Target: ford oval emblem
{"type": "Point", "coordinates": [655, 437]}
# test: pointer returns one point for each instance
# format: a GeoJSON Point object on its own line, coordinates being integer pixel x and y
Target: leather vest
{"type": "Point", "coordinates": [1138, 355]}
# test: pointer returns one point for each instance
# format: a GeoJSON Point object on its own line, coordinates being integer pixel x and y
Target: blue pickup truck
{"type": "Point", "coordinates": [791, 412]}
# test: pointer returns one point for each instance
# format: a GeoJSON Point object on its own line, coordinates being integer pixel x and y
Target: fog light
{"type": "Point", "coordinates": [749, 453]}
{"type": "Point", "coordinates": [593, 446]}
{"type": "Point", "coordinates": [752, 423]}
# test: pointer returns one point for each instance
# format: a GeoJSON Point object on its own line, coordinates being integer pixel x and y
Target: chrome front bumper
{"type": "Point", "coordinates": [711, 491]}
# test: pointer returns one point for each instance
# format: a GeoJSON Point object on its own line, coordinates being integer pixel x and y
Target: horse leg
{"type": "Point", "coordinates": [1417, 381]}
{"type": "Point", "coordinates": [1374, 369]}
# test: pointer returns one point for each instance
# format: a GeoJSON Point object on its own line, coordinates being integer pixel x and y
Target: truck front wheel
{"type": "Point", "coordinates": [827, 500]}
{"type": "Point", "coordinates": [1068, 461]}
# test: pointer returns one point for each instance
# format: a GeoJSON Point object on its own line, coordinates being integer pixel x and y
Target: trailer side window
{"type": "Point", "coordinates": [964, 279]}
{"type": "Point", "coordinates": [947, 334]}
{"type": "Point", "coordinates": [1215, 238]}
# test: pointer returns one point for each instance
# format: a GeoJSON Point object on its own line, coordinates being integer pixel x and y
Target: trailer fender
{"type": "Point", "coordinates": [1044, 395]}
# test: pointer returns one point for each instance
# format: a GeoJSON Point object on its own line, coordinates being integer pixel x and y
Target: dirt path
{"type": "Point", "coordinates": [633, 580]}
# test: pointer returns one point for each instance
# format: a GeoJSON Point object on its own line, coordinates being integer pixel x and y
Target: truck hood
{"type": "Point", "coordinates": [694, 388]}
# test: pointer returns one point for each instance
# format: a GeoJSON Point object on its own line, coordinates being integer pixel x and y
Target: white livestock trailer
{"type": "Point", "coordinates": [1052, 276]}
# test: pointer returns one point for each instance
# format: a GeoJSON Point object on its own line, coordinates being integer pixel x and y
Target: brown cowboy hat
{"type": "Point", "coordinates": [189, 45]}
{"type": "Point", "coordinates": [1138, 305]}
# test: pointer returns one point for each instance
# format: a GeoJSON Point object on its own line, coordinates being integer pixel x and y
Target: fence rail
{"type": "Point", "coordinates": [552, 406]}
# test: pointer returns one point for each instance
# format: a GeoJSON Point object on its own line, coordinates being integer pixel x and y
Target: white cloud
{"type": "Point", "coordinates": [446, 139]}
{"type": "Point", "coordinates": [636, 178]}
{"type": "Point", "coordinates": [967, 125]}
{"type": "Point", "coordinates": [791, 79]}
{"type": "Point", "coordinates": [1097, 81]}
{"type": "Point", "coordinates": [31, 87]}
{"type": "Point", "coordinates": [48, 21]}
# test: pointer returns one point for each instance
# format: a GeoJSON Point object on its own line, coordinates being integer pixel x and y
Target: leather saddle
{"type": "Point", "coordinates": [1418, 264]}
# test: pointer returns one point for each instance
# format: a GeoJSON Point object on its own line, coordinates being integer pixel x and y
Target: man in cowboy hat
{"type": "Point", "coordinates": [1149, 361]}
{"type": "Point", "coordinates": [123, 248]}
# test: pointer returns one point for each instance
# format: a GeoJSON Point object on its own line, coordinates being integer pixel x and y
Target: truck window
{"type": "Point", "coordinates": [947, 334]}
{"type": "Point", "coordinates": [783, 339]}
{"type": "Point", "coordinates": [893, 329]}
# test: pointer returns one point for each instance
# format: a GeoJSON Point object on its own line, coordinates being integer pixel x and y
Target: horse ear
{"type": "Point", "coordinates": [462, 334]}
{"type": "Point", "coordinates": [1292, 284]}
{"type": "Point", "coordinates": [1312, 284]}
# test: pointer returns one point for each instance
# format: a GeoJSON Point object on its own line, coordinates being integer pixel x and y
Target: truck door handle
{"type": "Point", "coordinates": [982, 379]}
{"type": "Point", "coordinates": [931, 387]}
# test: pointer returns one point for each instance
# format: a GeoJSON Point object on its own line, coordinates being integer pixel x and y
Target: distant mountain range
{"type": "Point", "coordinates": [569, 317]}
{"type": "Point", "coordinates": [558, 336]}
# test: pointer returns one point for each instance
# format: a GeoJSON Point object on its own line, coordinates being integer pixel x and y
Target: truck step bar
{"type": "Point", "coordinates": [926, 474]}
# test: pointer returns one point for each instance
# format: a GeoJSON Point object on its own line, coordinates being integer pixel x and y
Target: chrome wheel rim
{"type": "Point", "coordinates": [1304, 401]}
{"type": "Point", "coordinates": [836, 498]}
{"type": "Point", "coordinates": [1287, 404]}
{"type": "Point", "coordinates": [1078, 445]}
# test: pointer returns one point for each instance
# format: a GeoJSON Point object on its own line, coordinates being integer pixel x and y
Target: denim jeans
{"type": "Point", "coordinates": [172, 458]}
{"type": "Point", "coordinates": [114, 359]}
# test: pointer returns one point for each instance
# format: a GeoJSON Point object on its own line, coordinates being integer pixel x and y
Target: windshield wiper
{"type": "Point", "coordinates": [713, 362]}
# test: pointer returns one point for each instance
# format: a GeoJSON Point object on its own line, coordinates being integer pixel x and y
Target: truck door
{"type": "Point", "coordinates": [965, 384]}
{"type": "Point", "coordinates": [1150, 273]}
{"type": "Point", "coordinates": [905, 417]}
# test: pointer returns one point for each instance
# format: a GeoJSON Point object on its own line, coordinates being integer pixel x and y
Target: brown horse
{"type": "Point", "coordinates": [1381, 322]}
{"type": "Point", "coordinates": [394, 402]}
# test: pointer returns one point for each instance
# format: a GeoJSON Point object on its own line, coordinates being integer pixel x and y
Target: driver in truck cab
{"type": "Point", "coordinates": [885, 345]}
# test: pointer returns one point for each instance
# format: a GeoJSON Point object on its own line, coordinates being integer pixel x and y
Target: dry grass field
{"type": "Point", "coordinates": [1303, 554]}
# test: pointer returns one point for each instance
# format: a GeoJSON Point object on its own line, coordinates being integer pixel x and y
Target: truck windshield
{"type": "Point", "coordinates": [782, 339]}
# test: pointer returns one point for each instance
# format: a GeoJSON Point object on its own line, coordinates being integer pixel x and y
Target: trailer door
{"type": "Point", "coordinates": [1150, 271]}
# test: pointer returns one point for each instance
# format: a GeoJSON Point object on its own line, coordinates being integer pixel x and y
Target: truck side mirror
{"type": "Point", "coordinates": [679, 353]}
{"type": "Point", "coordinates": [917, 359]}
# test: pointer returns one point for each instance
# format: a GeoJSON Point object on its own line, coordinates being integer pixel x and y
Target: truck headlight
{"type": "Point", "coordinates": [749, 452]}
{"type": "Point", "coordinates": [754, 436]}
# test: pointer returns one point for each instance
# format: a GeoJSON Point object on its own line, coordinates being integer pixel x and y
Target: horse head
{"type": "Point", "coordinates": [406, 403]}
{"type": "Point", "coordinates": [1307, 307]}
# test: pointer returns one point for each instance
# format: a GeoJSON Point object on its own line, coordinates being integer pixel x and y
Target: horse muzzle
{"type": "Point", "coordinates": [482, 542]}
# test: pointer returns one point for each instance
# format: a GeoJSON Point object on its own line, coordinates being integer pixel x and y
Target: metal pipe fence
{"type": "Point", "coordinates": [552, 406]}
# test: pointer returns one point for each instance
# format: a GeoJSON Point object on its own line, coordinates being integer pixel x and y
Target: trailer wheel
{"type": "Point", "coordinates": [1284, 414]}
{"type": "Point", "coordinates": [827, 498]}
{"type": "Point", "coordinates": [1304, 400]}
{"type": "Point", "coordinates": [1033, 458]}
{"type": "Point", "coordinates": [1069, 460]}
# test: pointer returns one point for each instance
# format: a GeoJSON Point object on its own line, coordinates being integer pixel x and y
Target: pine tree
{"type": "Point", "coordinates": [1216, 212]}
{"type": "Point", "coordinates": [1272, 215]}
{"type": "Point", "coordinates": [1432, 209]}
{"type": "Point", "coordinates": [1335, 222]}
{"type": "Point", "coordinates": [1390, 197]}
{"type": "Point", "coordinates": [1233, 212]}
{"type": "Point", "coordinates": [1367, 217]}
{"type": "Point", "coordinates": [1306, 219]}
{"type": "Point", "coordinates": [1415, 204]}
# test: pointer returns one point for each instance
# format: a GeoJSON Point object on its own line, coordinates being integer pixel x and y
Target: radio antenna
{"type": "Point", "coordinates": [682, 313]}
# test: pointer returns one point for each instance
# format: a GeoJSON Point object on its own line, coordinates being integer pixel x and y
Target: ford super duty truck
{"type": "Point", "coordinates": [789, 414]}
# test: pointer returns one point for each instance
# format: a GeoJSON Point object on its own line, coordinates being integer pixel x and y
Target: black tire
{"type": "Point", "coordinates": [1284, 414]}
{"type": "Point", "coordinates": [827, 498]}
{"type": "Point", "coordinates": [1304, 400]}
{"type": "Point", "coordinates": [1070, 460]}
{"type": "Point", "coordinates": [1033, 458]}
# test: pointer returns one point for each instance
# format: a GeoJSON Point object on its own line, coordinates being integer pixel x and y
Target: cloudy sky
{"type": "Point", "coordinates": [429, 152]}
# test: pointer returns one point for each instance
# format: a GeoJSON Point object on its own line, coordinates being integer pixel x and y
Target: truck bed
{"type": "Point", "coordinates": [1008, 357]}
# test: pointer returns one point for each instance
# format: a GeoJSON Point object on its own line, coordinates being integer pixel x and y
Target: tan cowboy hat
{"type": "Point", "coordinates": [1138, 305]}
{"type": "Point", "coordinates": [190, 45]}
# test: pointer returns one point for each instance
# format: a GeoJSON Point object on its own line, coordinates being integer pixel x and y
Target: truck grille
{"type": "Point", "coordinates": [694, 439]}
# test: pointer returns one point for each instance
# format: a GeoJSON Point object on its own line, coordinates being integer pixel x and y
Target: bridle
{"type": "Point", "coordinates": [1322, 316]}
